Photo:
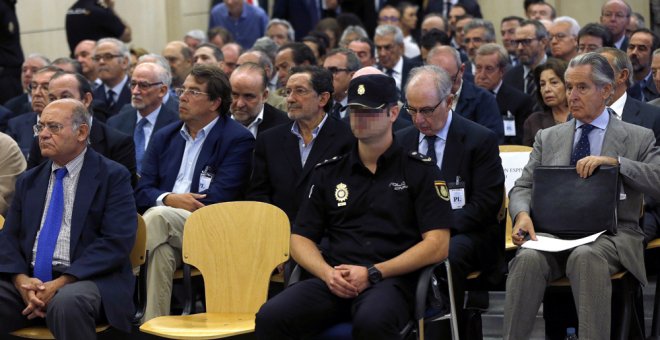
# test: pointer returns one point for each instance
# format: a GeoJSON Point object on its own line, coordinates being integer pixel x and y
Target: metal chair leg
{"type": "Point", "coordinates": [452, 304]}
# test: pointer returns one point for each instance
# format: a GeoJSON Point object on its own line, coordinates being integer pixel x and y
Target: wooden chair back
{"type": "Point", "coordinates": [519, 151]}
{"type": "Point", "coordinates": [139, 251]}
{"type": "Point", "coordinates": [236, 246]}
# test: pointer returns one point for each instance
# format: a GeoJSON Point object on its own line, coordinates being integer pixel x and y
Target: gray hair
{"type": "Point", "coordinates": [198, 35]}
{"type": "Point", "coordinates": [641, 23]}
{"type": "Point", "coordinates": [264, 60]}
{"type": "Point", "coordinates": [383, 30]}
{"type": "Point", "coordinates": [441, 79]}
{"type": "Point", "coordinates": [601, 71]}
{"type": "Point", "coordinates": [157, 59]}
{"type": "Point", "coordinates": [123, 48]}
{"type": "Point", "coordinates": [620, 62]}
{"type": "Point", "coordinates": [289, 28]}
{"type": "Point", "coordinates": [492, 48]}
{"type": "Point", "coordinates": [354, 29]}
{"type": "Point", "coordinates": [489, 30]}
{"type": "Point", "coordinates": [161, 73]}
{"type": "Point", "coordinates": [656, 52]}
{"type": "Point", "coordinates": [252, 67]}
{"type": "Point", "coordinates": [267, 46]}
{"type": "Point", "coordinates": [39, 56]}
{"type": "Point", "coordinates": [79, 114]}
{"type": "Point", "coordinates": [352, 61]}
{"type": "Point", "coordinates": [541, 31]}
{"type": "Point", "coordinates": [575, 27]}
{"type": "Point", "coordinates": [443, 49]}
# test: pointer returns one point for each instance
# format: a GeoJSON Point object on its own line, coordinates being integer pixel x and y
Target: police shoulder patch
{"type": "Point", "coordinates": [420, 157]}
{"type": "Point", "coordinates": [328, 161]}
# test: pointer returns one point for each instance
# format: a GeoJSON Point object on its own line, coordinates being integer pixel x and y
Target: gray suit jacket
{"type": "Point", "coordinates": [639, 170]}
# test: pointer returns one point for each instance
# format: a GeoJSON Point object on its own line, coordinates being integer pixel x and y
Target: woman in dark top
{"type": "Point", "coordinates": [549, 79]}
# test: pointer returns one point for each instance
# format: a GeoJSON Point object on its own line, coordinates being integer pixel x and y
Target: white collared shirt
{"type": "Point", "coordinates": [440, 142]}
{"type": "Point", "coordinates": [117, 89]}
{"type": "Point", "coordinates": [149, 127]}
{"type": "Point", "coordinates": [618, 105]}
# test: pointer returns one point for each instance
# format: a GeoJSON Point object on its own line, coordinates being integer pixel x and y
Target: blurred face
{"type": "Point", "coordinates": [655, 68]}
{"type": "Point", "coordinates": [204, 55]}
{"type": "Point", "coordinates": [639, 52]}
{"type": "Point", "coordinates": [425, 99]}
{"type": "Point", "coordinates": [488, 74]}
{"type": "Point", "coordinates": [67, 143]}
{"type": "Point", "coordinates": [363, 52]}
{"type": "Point", "coordinates": [314, 47]}
{"type": "Point", "coordinates": [278, 33]}
{"type": "Point", "coordinates": [371, 124]}
{"type": "Point", "coordinates": [552, 89]}
{"type": "Point", "coordinates": [84, 53]}
{"type": "Point", "coordinates": [458, 35]}
{"type": "Point", "coordinates": [67, 86]}
{"type": "Point", "coordinates": [39, 90]}
{"type": "Point", "coordinates": [235, 7]}
{"type": "Point", "coordinates": [180, 66]}
{"type": "Point", "coordinates": [586, 101]}
{"type": "Point", "coordinates": [589, 43]}
{"type": "Point", "coordinates": [30, 66]}
{"type": "Point", "coordinates": [389, 16]}
{"type": "Point", "coordinates": [446, 62]}
{"type": "Point", "coordinates": [341, 76]}
{"type": "Point", "coordinates": [147, 91]}
{"type": "Point", "coordinates": [539, 11]}
{"type": "Point", "coordinates": [409, 18]}
{"type": "Point", "coordinates": [284, 63]}
{"type": "Point", "coordinates": [473, 40]}
{"type": "Point", "coordinates": [431, 23]}
{"type": "Point", "coordinates": [191, 42]}
{"type": "Point", "coordinates": [112, 65]}
{"type": "Point", "coordinates": [562, 43]}
{"type": "Point", "coordinates": [614, 16]}
{"type": "Point", "coordinates": [508, 31]}
{"type": "Point", "coordinates": [303, 102]}
{"type": "Point", "coordinates": [529, 49]}
{"type": "Point", "coordinates": [632, 26]}
{"type": "Point", "coordinates": [454, 14]}
{"type": "Point", "coordinates": [198, 110]}
{"type": "Point", "coordinates": [231, 57]}
{"type": "Point", "coordinates": [388, 50]}
{"type": "Point", "coordinates": [248, 96]}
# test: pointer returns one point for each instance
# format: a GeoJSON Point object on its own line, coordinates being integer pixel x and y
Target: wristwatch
{"type": "Point", "coordinates": [375, 275]}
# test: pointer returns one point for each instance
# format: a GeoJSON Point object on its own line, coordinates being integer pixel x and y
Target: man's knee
{"type": "Point", "coordinates": [528, 260]}
{"type": "Point", "coordinates": [70, 301]}
{"type": "Point", "coordinates": [583, 258]}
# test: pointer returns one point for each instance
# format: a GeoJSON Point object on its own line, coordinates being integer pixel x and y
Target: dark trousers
{"type": "Point", "coordinates": [72, 313]}
{"type": "Point", "coordinates": [308, 307]}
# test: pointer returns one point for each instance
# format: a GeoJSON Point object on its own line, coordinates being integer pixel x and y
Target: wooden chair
{"type": "Point", "coordinates": [655, 321]}
{"type": "Point", "coordinates": [138, 259]}
{"type": "Point", "coordinates": [236, 246]}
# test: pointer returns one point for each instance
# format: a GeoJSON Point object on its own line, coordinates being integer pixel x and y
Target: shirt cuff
{"type": "Point", "coordinates": [159, 200]}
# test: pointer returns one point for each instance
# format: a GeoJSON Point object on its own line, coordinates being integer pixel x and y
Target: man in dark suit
{"type": "Point", "coordinates": [103, 139]}
{"type": "Point", "coordinates": [113, 60]}
{"type": "Point", "coordinates": [285, 155]}
{"type": "Point", "coordinates": [470, 101]}
{"type": "Point", "coordinates": [514, 105]}
{"type": "Point", "coordinates": [249, 93]}
{"type": "Point", "coordinates": [389, 48]}
{"type": "Point", "coordinates": [342, 63]}
{"type": "Point", "coordinates": [469, 162]}
{"type": "Point", "coordinates": [20, 127]}
{"type": "Point", "coordinates": [202, 160]}
{"type": "Point", "coordinates": [79, 207]}
{"type": "Point", "coordinates": [443, 7]}
{"type": "Point", "coordinates": [615, 15]}
{"type": "Point", "coordinates": [640, 49]}
{"type": "Point", "coordinates": [22, 103]}
{"type": "Point", "coordinates": [149, 85]}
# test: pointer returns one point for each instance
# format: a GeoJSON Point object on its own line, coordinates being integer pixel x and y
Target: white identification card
{"type": "Point", "coordinates": [457, 198]}
{"type": "Point", "coordinates": [509, 126]}
{"type": "Point", "coordinates": [205, 179]}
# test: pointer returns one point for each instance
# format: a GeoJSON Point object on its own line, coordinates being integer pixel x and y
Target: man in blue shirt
{"type": "Point", "coordinates": [246, 23]}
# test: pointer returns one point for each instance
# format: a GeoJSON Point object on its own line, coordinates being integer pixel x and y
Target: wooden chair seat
{"type": "Point", "coordinates": [42, 332]}
{"type": "Point", "coordinates": [200, 326]}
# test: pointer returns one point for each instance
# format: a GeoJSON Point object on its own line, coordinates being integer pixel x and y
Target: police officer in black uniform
{"type": "Point", "coordinates": [385, 215]}
{"type": "Point", "coordinates": [11, 53]}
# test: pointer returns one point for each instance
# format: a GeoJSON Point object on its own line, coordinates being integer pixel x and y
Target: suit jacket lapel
{"type": "Point", "coordinates": [88, 183]}
{"type": "Point", "coordinates": [96, 137]}
{"type": "Point", "coordinates": [615, 139]}
{"type": "Point", "coordinates": [208, 149]}
{"type": "Point", "coordinates": [321, 143]}
{"type": "Point", "coordinates": [291, 151]}
{"type": "Point", "coordinates": [453, 154]}
{"type": "Point", "coordinates": [560, 148]}
{"type": "Point", "coordinates": [35, 207]}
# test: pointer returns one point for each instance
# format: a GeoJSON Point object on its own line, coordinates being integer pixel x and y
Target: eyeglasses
{"type": "Point", "coordinates": [475, 40]}
{"type": "Point", "coordinates": [53, 128]}
{"type": "Point", "coordinates": [389, 18]}
{"type": "Point", "coordinates": [180, 92]}
{"type": "Point", "coordinates": [143, 85]}
{"type": "Point", "coordinates": [106, 57]}
{"type": "Point", "coordinates": [426, 112]}
{"type": "Point", "coordinates": [34, 86]}
{"type": "Point", "coordinates": [524, 42]}
{"type": "Point", "coordinates": [298, 91]}
{"type": "Point", "coordinates": [335, 70]}
{"type": "Point", "coordinates": [558, 36]}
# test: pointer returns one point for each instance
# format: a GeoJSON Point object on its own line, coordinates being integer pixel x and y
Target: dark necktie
{"type": "Point", "coordinates": [43, 260]}
{"type": "Point", "coordinates": [110, 98]}
{"type": "Point", "coordinates": [389, 72]}
{"type": "Point", "coordinates": [530, 86]}
{"type": "Point", "coordinates": [637, 90]}
{"type": "Point", "coordinates": [336, 109]}
{"type": "Point", "coordinates": [582, 148]}
{"type": "Point", "coordinates": [430, 141]}
{"type": "Point", "coordinates": [139, 139]}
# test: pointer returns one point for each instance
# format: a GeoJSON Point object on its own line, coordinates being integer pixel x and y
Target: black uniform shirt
{"type": "Point", "coordinates": [370, 218]}
{"type": "Point", "coordinates": [86, 19]}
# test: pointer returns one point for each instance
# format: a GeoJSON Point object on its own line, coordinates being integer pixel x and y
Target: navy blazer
{"type": "Point", "coordinates": [125, 120]}
{"type": "Point", "coordinates": [13, 108]}
{"type": "Point", "coordinates": [278, 177]}
{"type": "Point", "coordinates": [20, 129]}
{"type": "Point", "coordinates": [123, 99]}
{"type": "Point", "coordinates": [227, 152]}
{"type": "Point", "coordinates": [515, 77]}
{"type": "Point", "coordinates": [104, 140]}
{"type": "Point", "coordinates": [520, 105]}
{"type": "Point", "coordinates": [471, 152]}
{"type": "Point", "coordinates": [480, 106]}
{"type": "Point", "coordinates": [272, 118]}
{"type": "Point", "coordinates": [642, 114]}
{"type": "Point", "coordinates": [103, 227]}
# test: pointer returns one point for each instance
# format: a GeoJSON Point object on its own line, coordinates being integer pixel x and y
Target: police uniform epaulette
{"type": "Point", "coordinates": [419, 156]}
{"type": "Point", "coordinates": [329, 160]}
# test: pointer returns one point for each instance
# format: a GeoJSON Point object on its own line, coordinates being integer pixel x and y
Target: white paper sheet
{"type": "Point", "coordinates": [556, 244]}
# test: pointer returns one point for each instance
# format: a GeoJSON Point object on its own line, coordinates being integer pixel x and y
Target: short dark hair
{"type": "Point", "coordinates": [301, 53]}
{"type": "Point", "coordinates": [83, 84]}
{"type": "Point", "coordinates": [320, 39]}
{"type": "Point", "coordinates": [655, 40]}
{"type": "Point", "coordinates": [321, 80]}
{"type": "Point", "coordinates": [217, 84]}
{"type": "Point", "coordinates": [372, 46]}
{"type": "Point", "coordinates": [511, 18]}
{"type": "Point", "coordinates": [558, 66]}
{"type": "Point", "coordinates": [227, 37]}
{"type": "Point", "coordinates": [540, 31]}
{"type": "Point", "coordinates": [217, 52]}
{"type": "Point", "coordinates": [65, 60]}
{"type": "Point", "coordinates": [434, 37]}
{"type": "Point", "coordinates": [597, 30]}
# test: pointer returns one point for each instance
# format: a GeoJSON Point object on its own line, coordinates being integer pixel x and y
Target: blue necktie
{"type": "Point", "coordinates": [110, 99]}
{"type": "Point", "coordinates": [430, 151]}
{"type": "Point", "coordinates": [139, 139]}
{"type": "Point", "coordinates": [582, 148]}
{"type": "Point", "coordinates": [43, 262]}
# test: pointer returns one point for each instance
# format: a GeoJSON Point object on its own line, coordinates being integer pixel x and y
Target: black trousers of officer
{"type": "Point", "coordinates": [308, 307]}
{"type": "Point", "coordinates": [71, 313]}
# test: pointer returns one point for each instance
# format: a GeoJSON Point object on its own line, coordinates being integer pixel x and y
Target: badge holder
{"type": "Point", "coordinates": [509, 124]}
{"type": "Point", "coordinates": [457, 193]}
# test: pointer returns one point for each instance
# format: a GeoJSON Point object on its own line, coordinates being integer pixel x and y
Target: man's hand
{"type": "Point", "coordinates": [28, 287]}
{"type": "Point", "coordinates": [51, 287]}
{"type": "Point", "coordinates": [338, 285]}
{"type": "Point", "coordinates": [522, 227]}
{"type": "Point", "coordinates": [358, 276]}
{"type": "Point", "coordinates": [187, 201]}
{"type": "Point", "coordinates": [586, 166]}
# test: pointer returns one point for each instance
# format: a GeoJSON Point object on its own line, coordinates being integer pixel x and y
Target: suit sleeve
{"type": "Point", "coordinates": [520, 197]}
{"type": "Point", "coordinates": [260, 188]}
{"type": "Point", "coordinates": [148, 188]}
{"type": "Point", "coordinates": [643, 173]}
{"type": "Point", "coordinates": [489, 115]}
{"type": "Point", "coordinates": [123, 152]}
{"type": "Point", "coordinates": [12, 258]}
